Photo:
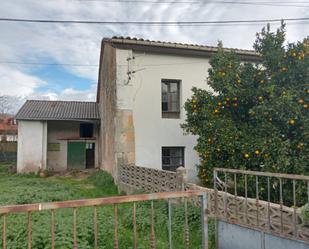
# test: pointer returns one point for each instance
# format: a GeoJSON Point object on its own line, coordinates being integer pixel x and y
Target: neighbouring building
{"type": "Point", "coordinates": [8, 138]}
{"type": "Point", "coordinates": [57, 135]}
{"type": "Point", "coordinates": [142, 88]}
{"type": "Point", "coordinates": [8, 128]}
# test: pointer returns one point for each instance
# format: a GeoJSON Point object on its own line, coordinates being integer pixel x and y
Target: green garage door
{"type": "Point", "coordinates": [76, 155]}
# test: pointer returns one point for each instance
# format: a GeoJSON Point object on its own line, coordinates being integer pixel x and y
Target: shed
{"type": "Point", "coordinates": [57, 135]}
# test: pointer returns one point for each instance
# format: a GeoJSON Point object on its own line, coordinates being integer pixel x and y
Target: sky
{"type": "Point", "coordinates": [79, 44]}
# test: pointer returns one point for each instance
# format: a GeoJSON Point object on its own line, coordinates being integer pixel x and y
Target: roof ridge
{"type": "Point", "coordinates": [147, 42]}
{"type": "Point", "coordinates": [66, 101]}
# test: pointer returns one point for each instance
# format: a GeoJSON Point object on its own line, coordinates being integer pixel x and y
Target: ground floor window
{"type": "Point", "coordinates": [172, 158]}
{"type": "Point", "coordinates": [86, 130]}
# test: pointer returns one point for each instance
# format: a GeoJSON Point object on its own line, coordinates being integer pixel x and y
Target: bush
{"type": "Point", "coordinates": [103, 180]}
{"type": "Point", "coordinates": [256, 115]}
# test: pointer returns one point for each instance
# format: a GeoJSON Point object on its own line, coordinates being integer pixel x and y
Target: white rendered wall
{"type": "Point", "coordinates": [143, 95]}
{"type": "Point", "coordinates": [32, 146]}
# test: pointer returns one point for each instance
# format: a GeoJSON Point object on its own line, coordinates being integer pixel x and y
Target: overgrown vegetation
{"type": "Point", "coordinates": [22, 189]}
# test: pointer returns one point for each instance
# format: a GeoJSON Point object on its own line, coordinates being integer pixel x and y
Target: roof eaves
{"type": "Point", "coordinates": [135, 41]}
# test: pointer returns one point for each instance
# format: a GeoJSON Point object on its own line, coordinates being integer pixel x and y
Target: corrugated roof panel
{"type": "Point", "coordinates": [58, 110]}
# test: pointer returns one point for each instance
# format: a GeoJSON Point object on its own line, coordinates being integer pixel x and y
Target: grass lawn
{"type": "Point", "coordinates": [22, 189]}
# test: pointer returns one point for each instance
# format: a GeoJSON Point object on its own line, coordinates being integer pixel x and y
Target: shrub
{"type": "Point", "coordinates": [256, 115]}
{"type": "Point", "coordinates": [103, 180]}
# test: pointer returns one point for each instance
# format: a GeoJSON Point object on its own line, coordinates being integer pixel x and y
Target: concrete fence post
{"type": "Point", "coordinates": [181, 174]}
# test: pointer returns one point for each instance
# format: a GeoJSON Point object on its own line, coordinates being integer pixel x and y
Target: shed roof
{"type": "Point", "coordinates": [58, 110]}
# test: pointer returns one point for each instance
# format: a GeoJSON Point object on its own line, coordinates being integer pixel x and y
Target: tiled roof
{"type": "Point", "coordinates": [58, 110]}
{"type": "Point", "coordinates": [163, 44]}
{"type": "Point", "coordinates": [8, 129]}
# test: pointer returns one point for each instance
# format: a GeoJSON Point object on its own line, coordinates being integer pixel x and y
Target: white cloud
{"type": "Point", "coordinates": [15, 82]}
{"type": "Point", "coordinates": [80, 44]}
{"type": "Point", "coordinates": [67, 94]}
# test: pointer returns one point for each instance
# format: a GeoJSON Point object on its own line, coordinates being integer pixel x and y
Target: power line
{"type": "Point", "coordinates": [48, 64]}
{"type": "Point", "coordinates": [94, 65]}
{"type": "Point", "coordinates": [154, 23]}
{"type": "Point", "coordinates": [263, 3]}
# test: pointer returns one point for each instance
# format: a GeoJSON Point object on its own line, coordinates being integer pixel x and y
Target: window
{"type": "Point", "coordinates": [172, 158]}
{"type": "Point", "coordinates": [86, 130]}
{"type": "Point", "coordinates": [170, 98]}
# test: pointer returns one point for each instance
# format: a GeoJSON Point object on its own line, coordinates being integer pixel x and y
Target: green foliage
{"type": "Point", "coordinates": [256, 116]}
{"type": "Point", "coordinates": [103, 180]}
{"type": "Point", "coordinates": [7, 167]}
{"type": "Point", "coordinates": [305, 214]}
{"type": "Point", "coordinates": [161, 223]}
{"type": "Point", "coordinates": [22, 189]}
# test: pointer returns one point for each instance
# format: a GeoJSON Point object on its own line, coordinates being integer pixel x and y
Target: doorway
{"type": "Point", "coordinates": [90, 148]}
{"type": "Point", "coordinates": [81, 155]}
{"type": "Point", "coordinates": [76, 155]}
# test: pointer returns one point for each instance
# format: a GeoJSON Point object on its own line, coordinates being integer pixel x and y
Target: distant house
{"type": "Point", "coordinates": [142, 88]}
{"type": "Point", "coordinates": [8, 128]}
{"type": "Point", "coordinates": [57, 135]}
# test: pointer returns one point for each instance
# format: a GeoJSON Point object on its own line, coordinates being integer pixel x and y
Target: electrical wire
{"type": "Point", "coordinates": [48, 64]}
{"type": "Point", "coordinates": [156, 23]}
{"type": "Point", "coordinates": [263, 3]}
{"type": "Point", "coordinates": [93, 65]}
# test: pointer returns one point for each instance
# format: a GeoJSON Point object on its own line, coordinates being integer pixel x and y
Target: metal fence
{"type": "Point", "coordinates": [52, 207]}
{"type": "Point", "coordinates": [269, 202]}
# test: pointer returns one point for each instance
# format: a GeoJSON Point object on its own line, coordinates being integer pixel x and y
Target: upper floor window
{"type": "Point", "coordinates": [170, 98]}
{"type": "Point", "coordinates": [86, 130]}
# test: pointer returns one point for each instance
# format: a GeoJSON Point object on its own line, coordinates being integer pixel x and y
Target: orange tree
{"type": "Point", "coordinates": [256, 116]}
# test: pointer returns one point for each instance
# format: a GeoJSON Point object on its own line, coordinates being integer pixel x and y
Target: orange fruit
{"type": "Point", "coordinates": [300, 101]}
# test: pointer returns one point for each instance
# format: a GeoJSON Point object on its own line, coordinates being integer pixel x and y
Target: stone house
{"type": "Point", "coordinates": [142, 87]}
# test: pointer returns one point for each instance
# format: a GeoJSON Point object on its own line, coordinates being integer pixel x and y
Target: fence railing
{"type": "Point", "coordinates": [268, 202]}
{"type": "Point", "coordinates": [52, 207]}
